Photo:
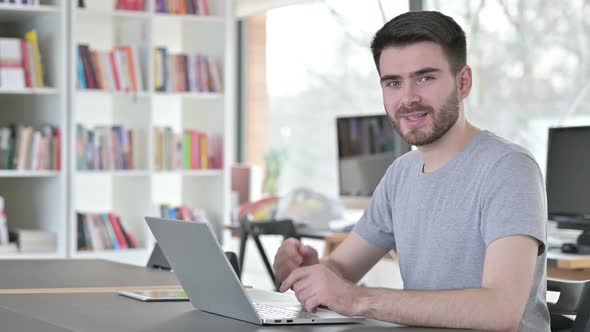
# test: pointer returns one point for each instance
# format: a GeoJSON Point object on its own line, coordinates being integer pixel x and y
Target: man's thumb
{"type": "Point", "coordinates": [308, 252]}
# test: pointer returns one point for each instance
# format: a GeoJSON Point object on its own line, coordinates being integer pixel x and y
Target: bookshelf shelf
{"type": "Point", "coordinates": [12, 13]}
{"type": "Point", "coordinates": [106, 93]}
{"type": "Point", "coordinates": [28, 174]}
{"type": "Point", "coordinates": [190, 18]}
{"type": "Point", "coordinates": [36, 91]}
{"type": "Point", "coordinates": [114, 173]}
{"type": "Point", "coordinates": [196, 173]}
{"type": "Point", "coordinates": [119, 14]}
{"type": "Point", "coordinates": [191, 95]}
{"type": "Point", "coordinates": [27, 255]}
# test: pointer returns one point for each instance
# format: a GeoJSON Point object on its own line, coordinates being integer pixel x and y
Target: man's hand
{"type": "Point", "coordinates": [318, 285]}
{"type": "Point", "coordinates": [292, 255]}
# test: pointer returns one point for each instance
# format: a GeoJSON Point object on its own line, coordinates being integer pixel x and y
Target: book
{"type": "Point", "coordinates": [32, 37]}
{"type": "Point", "coordinates": [102, 231]}
{"type": "Point", "coordinates": [104, 148]}
{"type": "Point", "coordinates": [115, 70]}
{"type": "Point", "coordinates": [3, 224]}
{"type": "Point", "coordinates": [184, 72]}
{"type": "Point", "coordinates": [12, 73]}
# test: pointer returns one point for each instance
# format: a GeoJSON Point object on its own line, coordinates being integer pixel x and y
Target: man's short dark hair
{"type": "Point", "coordinates": [420, 26]}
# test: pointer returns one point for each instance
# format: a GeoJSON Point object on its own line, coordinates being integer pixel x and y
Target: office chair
{"type": "Point", "coordinates": [249, 227]}
{"type": "Point", "coordinates": [574, 299]}
{"type": "Point", "coordinates": [157, 260]}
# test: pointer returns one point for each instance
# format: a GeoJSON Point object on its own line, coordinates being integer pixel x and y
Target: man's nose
{"type": "Point", "coordinates": [409, 96]}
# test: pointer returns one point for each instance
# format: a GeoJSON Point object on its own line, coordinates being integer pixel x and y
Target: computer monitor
{"type": "Point", "coordinates": [367, 145]}
{"type": "Point", "coordinates": [568, 179]}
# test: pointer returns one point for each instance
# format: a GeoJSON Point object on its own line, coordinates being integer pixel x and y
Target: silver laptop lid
{"type": "Point", "coordinates": [202, 268]}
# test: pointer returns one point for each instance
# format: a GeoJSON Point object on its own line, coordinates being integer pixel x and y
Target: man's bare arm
{"type": "Point", "coordinates": [499, 305]}
{"type": "Point", "coordinates": [353, 258]}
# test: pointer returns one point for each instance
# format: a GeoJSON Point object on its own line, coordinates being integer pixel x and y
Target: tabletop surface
{"type": "Point", "coordinates": [73, 273]}
{"type": "Point", "coordinates": [112, 312]}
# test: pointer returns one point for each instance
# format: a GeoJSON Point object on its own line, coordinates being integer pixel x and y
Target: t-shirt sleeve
{"type": "Point", "coordinates": [376, 224]}
{"type": "Point", "coordinates": [514, 200]}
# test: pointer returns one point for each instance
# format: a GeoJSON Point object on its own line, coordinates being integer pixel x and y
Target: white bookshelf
{"type": "Point", "coordinates": [29, 91]}
{"type": "Point", "coordinates": [38, 199]}
{"type": "Point", "coordinates": [134, 194]}
{"type": "Point", "coordinates": [19, 13]}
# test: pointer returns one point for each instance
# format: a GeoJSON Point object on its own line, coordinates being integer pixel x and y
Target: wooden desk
{"type": "Point", "coordinates": [568, 266]}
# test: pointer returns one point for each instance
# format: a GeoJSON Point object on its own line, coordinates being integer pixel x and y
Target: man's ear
{"type": "Point", "coordinates": [464, 82]}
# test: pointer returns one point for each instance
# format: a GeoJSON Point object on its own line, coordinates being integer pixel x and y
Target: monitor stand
{"type": "Point", "coordinates": [584, 243]}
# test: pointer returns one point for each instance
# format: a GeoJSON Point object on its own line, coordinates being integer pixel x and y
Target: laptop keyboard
{"type": "Point", "coordinates": [269, 311]}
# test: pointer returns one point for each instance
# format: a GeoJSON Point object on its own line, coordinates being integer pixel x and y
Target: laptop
{"type": "Point", "coordinates": [212, 285]}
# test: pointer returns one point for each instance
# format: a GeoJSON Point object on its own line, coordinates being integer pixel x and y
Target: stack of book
{"type": "Point", "coordinates": [186, 72]}
{"type": "Point", "coordinates": [115, 70]}
{"type": "Point", "coordinates": [191, 150]}
{"type": "Point", "coordinates": [104, 148]}
{"type": "Point", "coordinates": [183, 212]}
{"type": "Point", "coordinates": [20, 63]}
{"type": "Point", "coordinates": [183, 7]}
{"type": "Point", "coordinates": [136, 5]}
{"type": "Point", "coordinates": [103, 231]}
{"type": "Point", "coordinates": [33, 240]}
{"type": "Point", "coordinates": [26, 148]}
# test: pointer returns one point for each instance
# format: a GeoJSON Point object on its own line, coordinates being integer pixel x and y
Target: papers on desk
{"type": "Point", "coordinates": [348, 221]}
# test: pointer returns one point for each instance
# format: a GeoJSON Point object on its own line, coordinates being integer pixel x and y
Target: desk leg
{"type": "Point", "coordinates": [265, 259]}
{"type": "Point", "coordinates": [242, 253]}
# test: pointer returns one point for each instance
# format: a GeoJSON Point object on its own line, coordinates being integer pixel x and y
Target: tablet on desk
{"type": "Point", "coordinates": [156, 295]}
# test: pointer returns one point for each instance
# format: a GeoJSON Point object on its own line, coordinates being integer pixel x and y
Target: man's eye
{"type": "Point", "coordinates": [392, 84]}
{"type": "Point", "coordinates": [425, 78]}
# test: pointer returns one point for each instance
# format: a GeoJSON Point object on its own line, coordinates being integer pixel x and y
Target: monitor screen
{"type": "Point", "coordinates": [367, 145]}
{"type": "Point", "coordinates": [568, 173]}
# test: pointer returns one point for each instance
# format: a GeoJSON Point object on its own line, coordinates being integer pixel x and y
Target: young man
{"type": "Point", "coordinates": [466, 212]}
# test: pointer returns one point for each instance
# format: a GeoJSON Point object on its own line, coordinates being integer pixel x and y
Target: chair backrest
{"type": "Point", "coordinates": [285, 227]}
{"type": "Point", "coordinates": [158, 260]}
{"type": "Point", "coordinates": [574, 299]}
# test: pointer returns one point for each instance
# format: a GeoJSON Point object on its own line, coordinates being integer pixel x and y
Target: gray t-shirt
{"type": "Point", "coordinates": [440, 223]}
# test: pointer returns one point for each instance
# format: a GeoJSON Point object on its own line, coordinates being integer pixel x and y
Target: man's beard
{"type": "Point", "coordinates": [442, 121]}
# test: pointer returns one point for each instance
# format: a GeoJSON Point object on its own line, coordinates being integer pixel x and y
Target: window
{"type": "Point", "coordinates": [319, 67]}
{"type": "Point", "coordinates": [531, 66]}
{"type": "Point", "coordinates": [531, 72]}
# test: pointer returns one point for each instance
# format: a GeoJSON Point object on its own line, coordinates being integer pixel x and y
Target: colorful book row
{"type": "Point", "coordinates": [26, 148]}
{"type": "Point", "coordinates": [20, 62]}
{"type": "Point", "coordinates": [183, 212]}
{"type": "Point", "coordinates": [115, 70]}
{"type": "Point", "coordinates": [186, 72]}
{"type": "Point", "coordinates": [135, 5]}
{"type": "Point", "coordinates": [364, 136]}
{"type": "Point", "coordinates": [190, 150]}
{"type": "Point", "coordinates": [183, 7]}
{"type": "Point", "coordinates": [103, 231]}
{"type": "Point", "coordinates": [104, 148]}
